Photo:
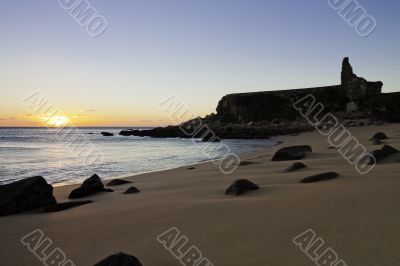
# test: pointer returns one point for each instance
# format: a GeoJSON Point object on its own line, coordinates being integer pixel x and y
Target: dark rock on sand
{"type": "Point", "coordinates": [132, 190]}
{"type": "Point", "coordinates": [377, 142]}
{"type": "Point", "coordinates": [65, 205]}
{"type": "Point", "coordinates": [25, 195]}
{"type": "Point", "coordinates": [89, 187]}
{"type": "Point", "coordinates": [383, 153]}
{"type": "Point", "coordinates": [295, 167]}
{"type": "Point", "coordinates": [320, 177]}
{"type": "Point", "coordinates": [119, 259]}
{"type": "Point", "coordinates": [292, 153]}
{"type": "Point", "coordinates": [191, 168]}
{"type": "Point", "coordinates": [379, 136]}
{"type": "Point", "coordinates": [117, 182]}
{"type": "Point", "coordinates": [107, 134]}
{"type": "Point", "coordinates": [331, 148]}
{"type": "Point", "coordinates": [247, 163]}
{"type": "Point", "coordinates": [239, 187]}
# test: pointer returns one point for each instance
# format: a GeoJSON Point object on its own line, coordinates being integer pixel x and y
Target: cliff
{"type": "Point", "coordinates": [349, 98]}
{"type": "Point", "coordinates": [355, 101]}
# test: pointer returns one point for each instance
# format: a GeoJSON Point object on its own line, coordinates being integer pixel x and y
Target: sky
{"type": "Point", "coordinates": [197, 50]}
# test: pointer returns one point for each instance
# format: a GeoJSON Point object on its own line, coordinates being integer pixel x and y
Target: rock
{"type": "Point", "coordinates": [107, 134]}
{"type": "Point", "coordinates": [379, 136]}
{"type": "Point", "coordinates": [247, 163]}
{"type": "Point", "coordinates": [191, 168]}
{"type": "Point", "coordinates": [211, 138]}
{"type": "Point", "coordinates": [128, 132]}
{"type": "Point", "coordinates": [119, 259]}
{"type": "Point", "coordinates": [117, 182]}
{"type": "Point", "coordinates": [331, 148]}
{"type": "Point", "coordinates": [320, 177]}
{"type": "Point", "coordinates": [294, 167]}
{"type": "Point", "coordinates": [239, 187]}
{"type": "Point", "coordinates": [347, 71]}
{"type": "Point", "coordinates": [292, 153]}
{"type": "Point", "coordinates": [89, 187]}
{"type": "Point", "coordinates": [377, 142]}
{"type": "Point", "coordinates": [132, 190]}
{"type": "Point", "coordinates": [25, 195]}
{"type": "Point", "coordinates": [65, 205]}
{"type": "Point", "coordinates": [383, 153]}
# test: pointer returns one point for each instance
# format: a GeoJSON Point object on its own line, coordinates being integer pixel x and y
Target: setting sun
{"type": "Point", "coordinates": [58, 121]}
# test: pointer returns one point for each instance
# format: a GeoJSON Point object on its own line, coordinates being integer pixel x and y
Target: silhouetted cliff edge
{"type": "Point", "coordinates": [355, 101]}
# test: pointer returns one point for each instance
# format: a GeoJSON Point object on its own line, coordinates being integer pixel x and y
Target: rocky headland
{"type": "Point", "coordinates": [257, 115]}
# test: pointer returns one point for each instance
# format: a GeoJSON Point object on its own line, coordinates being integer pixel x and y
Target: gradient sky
{"type": "Point", "coordinates": [198, 50]}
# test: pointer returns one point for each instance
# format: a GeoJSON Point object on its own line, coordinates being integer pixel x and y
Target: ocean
{"type": "Point", "coordinates": [26, 152]}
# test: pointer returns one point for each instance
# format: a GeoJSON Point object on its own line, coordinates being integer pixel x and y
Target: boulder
{"type": "Point", "coordinates": [379, 136]}
{"type": "Point", "coordinates": [132, 190]}
{"type": "Point", "coordinates": [25, 195]}
{"type": "Point", "coordinates": [89, 187]}
{"type": "Point", "coordinates": [120, 259]}
{"type": "Point", "coordinates": [376, 142]}
{"type": "Point", "coordinates": [383, 153]}
{"type": "Point", "coordinates": [294, 167]}
{"type": "Point", "coordinates": [239, 187]}
{"type": "Point", "coordinates": [117, 182]}
{"type": "Point", "coordinates": [107, 134]}
{"type": "Point", "coordinates": [65, 205]}
{"type": "Point", "coordinates": [292, 153]}
{"type": "Point", "coordinates": [320, 177]}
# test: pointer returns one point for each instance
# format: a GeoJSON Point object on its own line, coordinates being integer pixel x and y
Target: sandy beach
{"type": "Point", "coordinates": [356, 215]}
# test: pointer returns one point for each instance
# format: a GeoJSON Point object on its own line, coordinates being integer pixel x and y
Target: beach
{"type": "Point", "coordinates": [356, 215]}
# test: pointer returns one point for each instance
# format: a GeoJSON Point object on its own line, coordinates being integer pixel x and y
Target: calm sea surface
{"type": "Point", "coordinates": [26, 152]}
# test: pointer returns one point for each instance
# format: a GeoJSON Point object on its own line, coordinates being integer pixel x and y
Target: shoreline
{"type": "Point", "coordinates": [354, 214]}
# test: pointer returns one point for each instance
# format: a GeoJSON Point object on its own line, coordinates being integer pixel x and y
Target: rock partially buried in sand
{"type": "Point", "coordinates": [65, 205]}
{"type": "Point", "coordinates": [383, 153]}
{"type": "Point", "coordinates": [320, 177]}
{"type": "Point", "coordinates": [132, 190]}
{"type": "Point", "coordinates": [379, 136]}
{"type": "Point", "coordinates": [247, 163]}
{"type": "Point", "coordinates": [376, 142]}
{"type": "Point", "coordinates": [295, 167]}
{"type": "Point", "coordinates": [117, 182]}
{"type": "Point", "coordinates": [89, 187]}
{"type": "Point", "coordinates": [25, 195]}
{"type": "Point", "coordinates": [119, 259]}
{"type": "Point", "coordinates": [291, 153]}
{"type": "Point", "coordinates": [239, 187]}
{"type": "Point", "coordinates": [191, 168]}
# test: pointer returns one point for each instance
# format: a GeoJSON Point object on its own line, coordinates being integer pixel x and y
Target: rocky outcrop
{"type": "Point", "coordinates": [65, 205]}
{"type": "Point", "coordinates": [241, 186]}
{"type": "Point", "coordinates": [107, 134]}
{"type": "Point", "coordinates": [259, 115]}
{"type": "Point", "coordinates": [320, 177]}
{"type": "Point", "coordinates": [119, 259]}
{"type": "Point", "coordinates": [132, 190]}
{"type": "Point", "coordinates": [25, 195]}
{"type": "Point", "coordinates": [89, 187]}
{"type": "Point", "coordinates": [117, 182]}
{"type": "Point", "coordinates": [383, 153]}
{"type": "Point", "coordinates": [291, 153]}
{"type": "Point", "coordinates": [294, 167]}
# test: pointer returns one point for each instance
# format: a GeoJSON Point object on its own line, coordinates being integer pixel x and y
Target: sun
{"type": "Point", "coordinates": [58, 121]}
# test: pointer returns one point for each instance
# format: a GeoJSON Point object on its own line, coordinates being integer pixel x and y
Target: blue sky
{"type": "Point", "coordinates": [198, 50]}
